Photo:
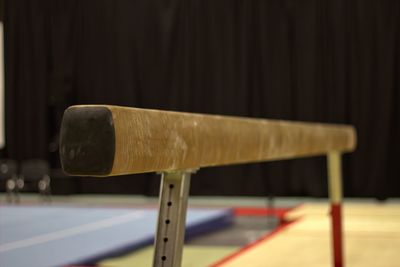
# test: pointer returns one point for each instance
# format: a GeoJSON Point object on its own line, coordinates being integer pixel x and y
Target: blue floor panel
{"type": "Point", "coordinates": [47, 236]}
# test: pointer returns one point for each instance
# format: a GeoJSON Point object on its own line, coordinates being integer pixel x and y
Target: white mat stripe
{"type": "Point", "coordinates": [85, 228]}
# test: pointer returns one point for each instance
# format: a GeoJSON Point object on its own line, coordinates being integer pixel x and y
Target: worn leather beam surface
{"type": "Point", "coordinates": [101, 140]}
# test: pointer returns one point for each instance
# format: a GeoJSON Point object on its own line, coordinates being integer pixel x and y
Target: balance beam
{"type": "Point", "coordinates": [111, 140]}
{"type": "Point", "coordinates": [103, 140]}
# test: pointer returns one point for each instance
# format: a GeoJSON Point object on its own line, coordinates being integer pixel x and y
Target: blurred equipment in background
{"type": "Point", "coordinates": [35, 173]}
{"type": "Point", "coordinates": [8, 175]}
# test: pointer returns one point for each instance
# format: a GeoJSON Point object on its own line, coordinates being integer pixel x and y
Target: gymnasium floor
{"type": "Point", "coordinates": [372, 232]}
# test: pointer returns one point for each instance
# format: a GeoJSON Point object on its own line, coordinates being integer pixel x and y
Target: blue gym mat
{"type": "Point", "coordinates": [42, 236]}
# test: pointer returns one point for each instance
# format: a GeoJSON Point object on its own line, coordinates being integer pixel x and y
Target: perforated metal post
{"type": "Point", "coordinates": [174, 192]}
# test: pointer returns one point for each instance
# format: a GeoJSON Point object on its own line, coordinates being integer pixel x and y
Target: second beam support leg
{"type": "Point", "coordinates": [335, 194]}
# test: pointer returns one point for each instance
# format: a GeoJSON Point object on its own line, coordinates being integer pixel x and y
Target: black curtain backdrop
{"type": "Point", "coordinates": [335, 61]}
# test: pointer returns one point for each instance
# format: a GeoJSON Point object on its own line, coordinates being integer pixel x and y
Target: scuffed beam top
{"type": "Point", "coordinates": [101, 140]}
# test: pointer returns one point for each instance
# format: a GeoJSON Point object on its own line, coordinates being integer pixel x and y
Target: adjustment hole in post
{"type": "Point", "coordinates": [169, 203]}
{"type": "Point", "coordinates": [164, 258]}
{"type": "Point", "coordinates": [167, 221]}
{"type": "Point", "coordinates": [165, 239]}
{"type": "Point", "coordinates": [171, 186]}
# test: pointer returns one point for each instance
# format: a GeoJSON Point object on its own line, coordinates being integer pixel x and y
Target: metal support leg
{"type": "Point", "coordinates": [335, 193]}
{"type": "Point", "coordinates": [174, 192]}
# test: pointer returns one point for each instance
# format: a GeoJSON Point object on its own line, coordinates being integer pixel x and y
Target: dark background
{"type": "Point", "coordinates": [335, 61]}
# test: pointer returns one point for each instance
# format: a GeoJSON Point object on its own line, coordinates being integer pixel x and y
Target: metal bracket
{"type": "Point", "coordinates": [174, 192]}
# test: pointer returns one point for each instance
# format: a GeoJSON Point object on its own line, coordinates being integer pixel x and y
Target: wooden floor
{"type": "Point", "coordinates": [372, 238]}
{"type": "Point", "coordinates": [194, 256]}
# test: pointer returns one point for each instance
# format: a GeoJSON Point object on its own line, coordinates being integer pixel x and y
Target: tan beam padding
{"type": "Point", "coordinates": [101, 140]}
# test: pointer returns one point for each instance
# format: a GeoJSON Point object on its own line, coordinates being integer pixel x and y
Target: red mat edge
{"type": "Point", "coordinates": [251, 211]}
{"type": "Point", "coordinates": [251, 245]}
